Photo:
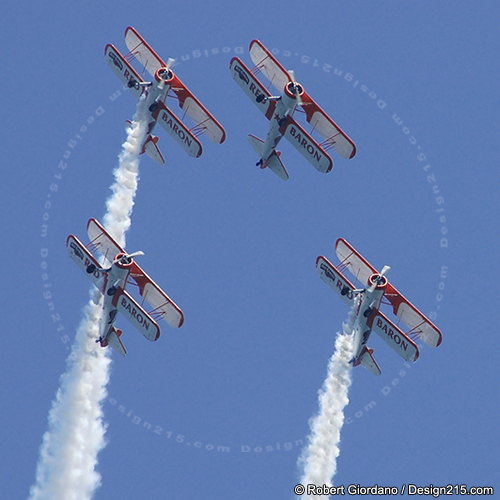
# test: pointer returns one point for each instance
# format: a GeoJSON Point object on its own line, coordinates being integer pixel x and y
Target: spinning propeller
{"type": "Point", "coordinates": [127, 258]}
{"type": "Point", "coordinates": [379, 280]}
{"type": "Point", "coordinates": [294, 87]}
{"type": "Point", "coordinates": [165, 71]}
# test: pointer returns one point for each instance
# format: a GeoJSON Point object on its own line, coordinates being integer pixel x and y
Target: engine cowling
{"type": "Point", "coordinates": [380, 282]}
{"type": "Point", "coordinates": [294, 90]}
{"type": "Point", "coordinates": [164, 75]}
{"type": "Point", "coordinates": [123, 261]}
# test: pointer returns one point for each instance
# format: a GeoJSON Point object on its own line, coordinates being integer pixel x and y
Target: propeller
{"type": "Point", "coordinates": [295, 86]}
{"type": "Point", "coordinates": [125, 259]}
{"type": "Point", "coordinates": [170, 62]}
{"type": "Point", "coordinates": [380, 278]}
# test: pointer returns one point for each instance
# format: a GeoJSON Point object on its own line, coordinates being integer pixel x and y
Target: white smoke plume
{"type": "Point", "coordinates": [66, 468]}
{"type": "Point", "coordinates": [319, 458]}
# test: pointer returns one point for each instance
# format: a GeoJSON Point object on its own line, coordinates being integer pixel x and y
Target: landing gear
{"type": "Point", "coordinates": [91, 268]}
{"type": "Point", "coordinates": [259, 163]}
{"type": "Point", "coordinates": [261, 98]}
{"type": "Point", "coordinates": [367, 312]}
{"type": "Point", "coordinates": [344, 290]}
{"type": "Point", "coordinates": [111, 291]}
{"type": "Point", "coordinates": [153, 107]}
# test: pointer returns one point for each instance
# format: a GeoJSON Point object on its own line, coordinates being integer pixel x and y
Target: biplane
{"type": "Point", "coordinates": [377, 290]}
{"type": "Point", "coordinates": [165, 84]}
{"type": "Point", "coordinates": [279, 110]}
{"type": "Point", "coordinates": [121, 270]}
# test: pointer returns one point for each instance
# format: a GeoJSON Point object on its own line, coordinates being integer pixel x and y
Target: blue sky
{"type": "Point", "coordinates": [236, 247]}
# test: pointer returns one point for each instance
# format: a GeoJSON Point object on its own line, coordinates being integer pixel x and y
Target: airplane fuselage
{"type": "Point", "coordinates": [369, 303]}
{"type": "Point", "coordinates": [285, 106]}
{"type": "Point", "coordinates": [115, 279]}
{"type": "Point", "coordinates": [155, 94]}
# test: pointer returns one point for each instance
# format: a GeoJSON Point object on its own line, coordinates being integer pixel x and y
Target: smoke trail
{"type": "Point", "coordinates": [319, 458]}
{"type": "Point", "coordinates": [75, 435]}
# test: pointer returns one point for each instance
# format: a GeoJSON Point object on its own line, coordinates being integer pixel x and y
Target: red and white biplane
{"type": "Point", "coordinates": [111, 281]}
{"type": "Point", "coordinates": [279, 111]}
{"type": "Point", "coordinates": [377, 290]}
{"type": "Point", "coordinates": [165, 84]}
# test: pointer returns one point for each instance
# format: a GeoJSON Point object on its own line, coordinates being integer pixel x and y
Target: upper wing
{"type": "Point", "coordinates": [163, 306]}
{"type": "Point", "coordinates": [100, 240]}
{"type": "Point", "coordinates": [142, 51]}
{"type": "Point", "coordinates": [386, 329]}
{"type": "Point", "coordinates": [192, 107]}
{"type": "Point", "coordinates": [353, 261]}
{"type": "Point", "coordinates": [269, 65]}
{"type": "Point", "coordinates": [308, 147]}
{"type": "Point", "coordinates": [326, 127]}
{"type": "Point", "coordinates": [122, 69]}
{"type": "Point", "coordinates": [251, 85]}
{"type": "Point", "coordinates": [420, 325]}
{"type": "Point", "coordinates": [335, 279]}
{"type": "Point", "coordinates": [178, 131]}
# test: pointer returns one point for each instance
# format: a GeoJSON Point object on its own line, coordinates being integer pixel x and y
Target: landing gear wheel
{"type": "Point", "coordinates": [91, 268]}
{"type": "Point", "coordinates": [111, 291]}
{"type": "Point", "coordinates": [153, 107]}
{"type": "Point", "coordinates": [367, 312]}
{"type": "Point", "coordinates": [344, 291]}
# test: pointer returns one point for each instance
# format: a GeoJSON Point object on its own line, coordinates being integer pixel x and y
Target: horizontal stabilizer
{"type": "Point", "coordinates": [273, 162]}
{"type": "Point", "coordinates": [115, 342]}
{"type": "Point", "coordinates": [308, 147]}
{"type": "Point", "coordinates": [368, 361]}
{"type": "Point", "coordinates": [257, 144]}
{"type": "Point", "coordinates": [152, 150]}
{"type": "Point", "coordinates": [335, 279]}
{"type": "Point", "coordinates": [402, 344]}
{"type": "Point", "coordinates": [276, 165]}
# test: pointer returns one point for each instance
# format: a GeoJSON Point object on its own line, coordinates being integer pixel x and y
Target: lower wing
{"type": "Point", "coordinates": [335, 280]}
{"type": "Point", "coordinates": [179, 132]}
{"type": "Point", "coordinates": [123, 70]}
{"type": "Point", "coordinates": [398, 341]}
{"type": "Point", "coordinates": [252, 86]}
{"type": "Point", "coordinates": [86, 262]}
{"type": "Point", "coordinates": [308, 147]}
{"type": "Point", "coordinates": [138, 316]}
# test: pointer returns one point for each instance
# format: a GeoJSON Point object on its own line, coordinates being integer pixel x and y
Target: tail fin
{"type": "Point", "coordinates": [368, 361]}
{"type": "Point", "coordinates": [152, 150]}
{"type": "Point", "coordinates": [115, 342]}
{"type": "Point", "coordinates": [273, 162]}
